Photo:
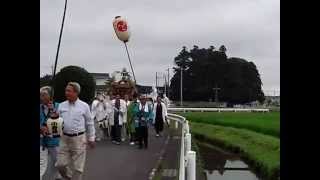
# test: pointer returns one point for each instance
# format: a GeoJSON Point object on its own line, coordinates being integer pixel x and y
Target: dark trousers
{"type": "Point", "coordinates": [116, 133]}
{"type": "Point", "coordinates": [132, 137]}
{"type": "Point", "coordinates": [136, 134]}
{"type": "Point", "coordinates": [158, 125]}
{"type": "Point", "coordinates": [105, 132]}
{"type": "Point", "coordinates": [143, 136]}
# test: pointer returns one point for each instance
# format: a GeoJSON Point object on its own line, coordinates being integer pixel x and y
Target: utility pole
{"type": "Point", "coordinates": [216, 89]}
{"type": "Point", "coordinates": [52, 69]}
{"type": "Point", "coordinates": [165, 84]}
{"type": "Point", "coordinates": [181, 95]}
{"type": "Point", "coordinates": [157, 80]}
{"type": "Point", "coordinates": [168, 82]}
{"type": "Point", "coordinates": [60, 36]}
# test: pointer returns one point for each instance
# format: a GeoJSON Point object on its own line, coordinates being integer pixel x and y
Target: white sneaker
{"type": "Point", "coordinates": [98, 139]}
{"type": "Point", "coordinates": [132, 143]}
{"type": "Point", "coordinates": [157, 135]}
{"type": "Point", "coordinates": [123, 139]}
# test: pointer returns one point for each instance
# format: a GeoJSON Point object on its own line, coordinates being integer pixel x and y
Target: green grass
{"type": "Point", "coordinates": [265, 123]}
{"type": "Point", "coordinates": [261, 151]}
{"type": "Point", "coordinates": [200, 174]}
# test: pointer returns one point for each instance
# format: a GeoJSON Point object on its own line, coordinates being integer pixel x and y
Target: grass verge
{"type": "Point", "coordinates": [200, 174]}
{"type": "Point", "coordinates": [265, 123]}
{"type": "Point", "coordinates": [262, 152]}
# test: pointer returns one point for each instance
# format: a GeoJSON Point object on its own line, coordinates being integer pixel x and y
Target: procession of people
{"type": "Point", "coordinates": [113, 118]}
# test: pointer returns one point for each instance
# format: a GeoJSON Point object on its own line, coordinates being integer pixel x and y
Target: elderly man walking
{"type": "Point", "coordinates": [48, 145]}
{"type": "Point", "coordinates": [78, 131]}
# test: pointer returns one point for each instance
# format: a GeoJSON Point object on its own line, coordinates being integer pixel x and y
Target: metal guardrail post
{"type": "Point", "coordinates": [188, 142]}
{"type": "Point", "coordinates": [182, 156]}
{"type": "Point", "coordinates": [187, 157]}
{"type": "Point", "coordinates": [191, 167]}
{"type": "Point", "coordinates": [187, 129]}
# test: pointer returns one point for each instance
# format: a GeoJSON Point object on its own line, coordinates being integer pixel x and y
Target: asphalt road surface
{"type": "Point", "coordinates": [123, 162]}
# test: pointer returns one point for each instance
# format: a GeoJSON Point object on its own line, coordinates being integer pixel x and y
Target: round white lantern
{"type": "Point", "coordinates": [121, 28]}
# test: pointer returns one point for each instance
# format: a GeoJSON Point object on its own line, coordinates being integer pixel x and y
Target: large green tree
{"type": "Point", "coordinates": [45, 80]}
{"type": "Point", "coordinates": [204, 69]}
{"type": "Point", "coordinates": [75, 74]}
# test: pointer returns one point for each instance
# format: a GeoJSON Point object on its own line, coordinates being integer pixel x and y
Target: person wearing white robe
{"type": "Point", "coordinates": [98, 110]}
{"type": "Point", "coordinates": [125, 103]}
{"type": "Point", "coordinates": [116, 119]}
{"type": "Point", "coordinates": [159, 116]}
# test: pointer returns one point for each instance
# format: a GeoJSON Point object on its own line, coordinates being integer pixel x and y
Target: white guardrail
{"type": "Point", "coordinates": [187, 169]}
{"type": "Point", "coordinates": [217, 110]}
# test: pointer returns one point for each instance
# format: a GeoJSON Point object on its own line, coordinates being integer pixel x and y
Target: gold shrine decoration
{"type": "Point", "coordinates": [123, 87]}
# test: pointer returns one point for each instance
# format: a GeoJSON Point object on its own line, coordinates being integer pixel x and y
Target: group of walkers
{"type": "Point", "coordinates": [122, 119]}
{"type": "Point", "coordinates": [109, 118]}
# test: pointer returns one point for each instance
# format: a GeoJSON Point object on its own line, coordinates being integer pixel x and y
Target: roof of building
{"type": "Point", "coordinates": [100, 75]}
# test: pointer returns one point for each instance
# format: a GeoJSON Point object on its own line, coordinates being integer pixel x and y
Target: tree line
{"type": "Point", "coordinates": [204, 69]}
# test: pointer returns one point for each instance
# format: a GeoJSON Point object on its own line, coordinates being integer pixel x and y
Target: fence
{"type": "Point", "coordinates": [217, 110]}
{"type": "Point", "coordinates": [187, 167]}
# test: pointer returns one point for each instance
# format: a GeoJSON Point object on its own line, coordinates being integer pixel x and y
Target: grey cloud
{"type": "Point", "coordinates": [248, 28]}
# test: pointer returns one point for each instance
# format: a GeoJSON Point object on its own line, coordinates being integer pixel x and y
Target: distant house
{"type": "Point", "coordinates": [148, 89]}
{"type": "Point", "coordinates": [101, 79]}
{"type": "Point", "coordinates": [273, 100]}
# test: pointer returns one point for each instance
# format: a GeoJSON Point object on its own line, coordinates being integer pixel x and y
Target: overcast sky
{"type": "Point", "coordinates": [249, 29]}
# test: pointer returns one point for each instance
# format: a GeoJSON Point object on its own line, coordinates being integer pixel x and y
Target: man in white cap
{"type": "Point", "coordinates": [78, 132]}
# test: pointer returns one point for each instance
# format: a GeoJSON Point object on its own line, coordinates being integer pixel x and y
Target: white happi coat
{"type": "Point", "coordinates": [122, 112]}
{"type": "Point", "coordinates": [98, 110]}
{"type": "Point", "coordinates": [164, 112]}
{"type": "Point", "coordinates": [125, 116]}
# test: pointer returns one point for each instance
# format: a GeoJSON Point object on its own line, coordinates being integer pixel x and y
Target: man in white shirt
{"type": "Point", "coordinates": [78, 131]}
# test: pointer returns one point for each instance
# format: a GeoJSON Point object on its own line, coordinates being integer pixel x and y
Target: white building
{"type": "Point", "coordinates": [101, 79]}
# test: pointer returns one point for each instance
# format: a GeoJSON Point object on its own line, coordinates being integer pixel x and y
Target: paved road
{"type": "Point", "coordinates": [124, 162]}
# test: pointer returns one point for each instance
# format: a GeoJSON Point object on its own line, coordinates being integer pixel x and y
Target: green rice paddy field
{"type": "Point", "coordinates": [265, 123]}
{"type": "Point", "coordinates": [256, 136]}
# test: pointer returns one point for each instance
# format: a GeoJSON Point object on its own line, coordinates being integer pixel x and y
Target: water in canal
{"type": "Point", "coordinates": [222, 165]}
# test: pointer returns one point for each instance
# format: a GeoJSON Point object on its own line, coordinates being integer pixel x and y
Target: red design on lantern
{"type": "Point", "coordinates": [122, 26]}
